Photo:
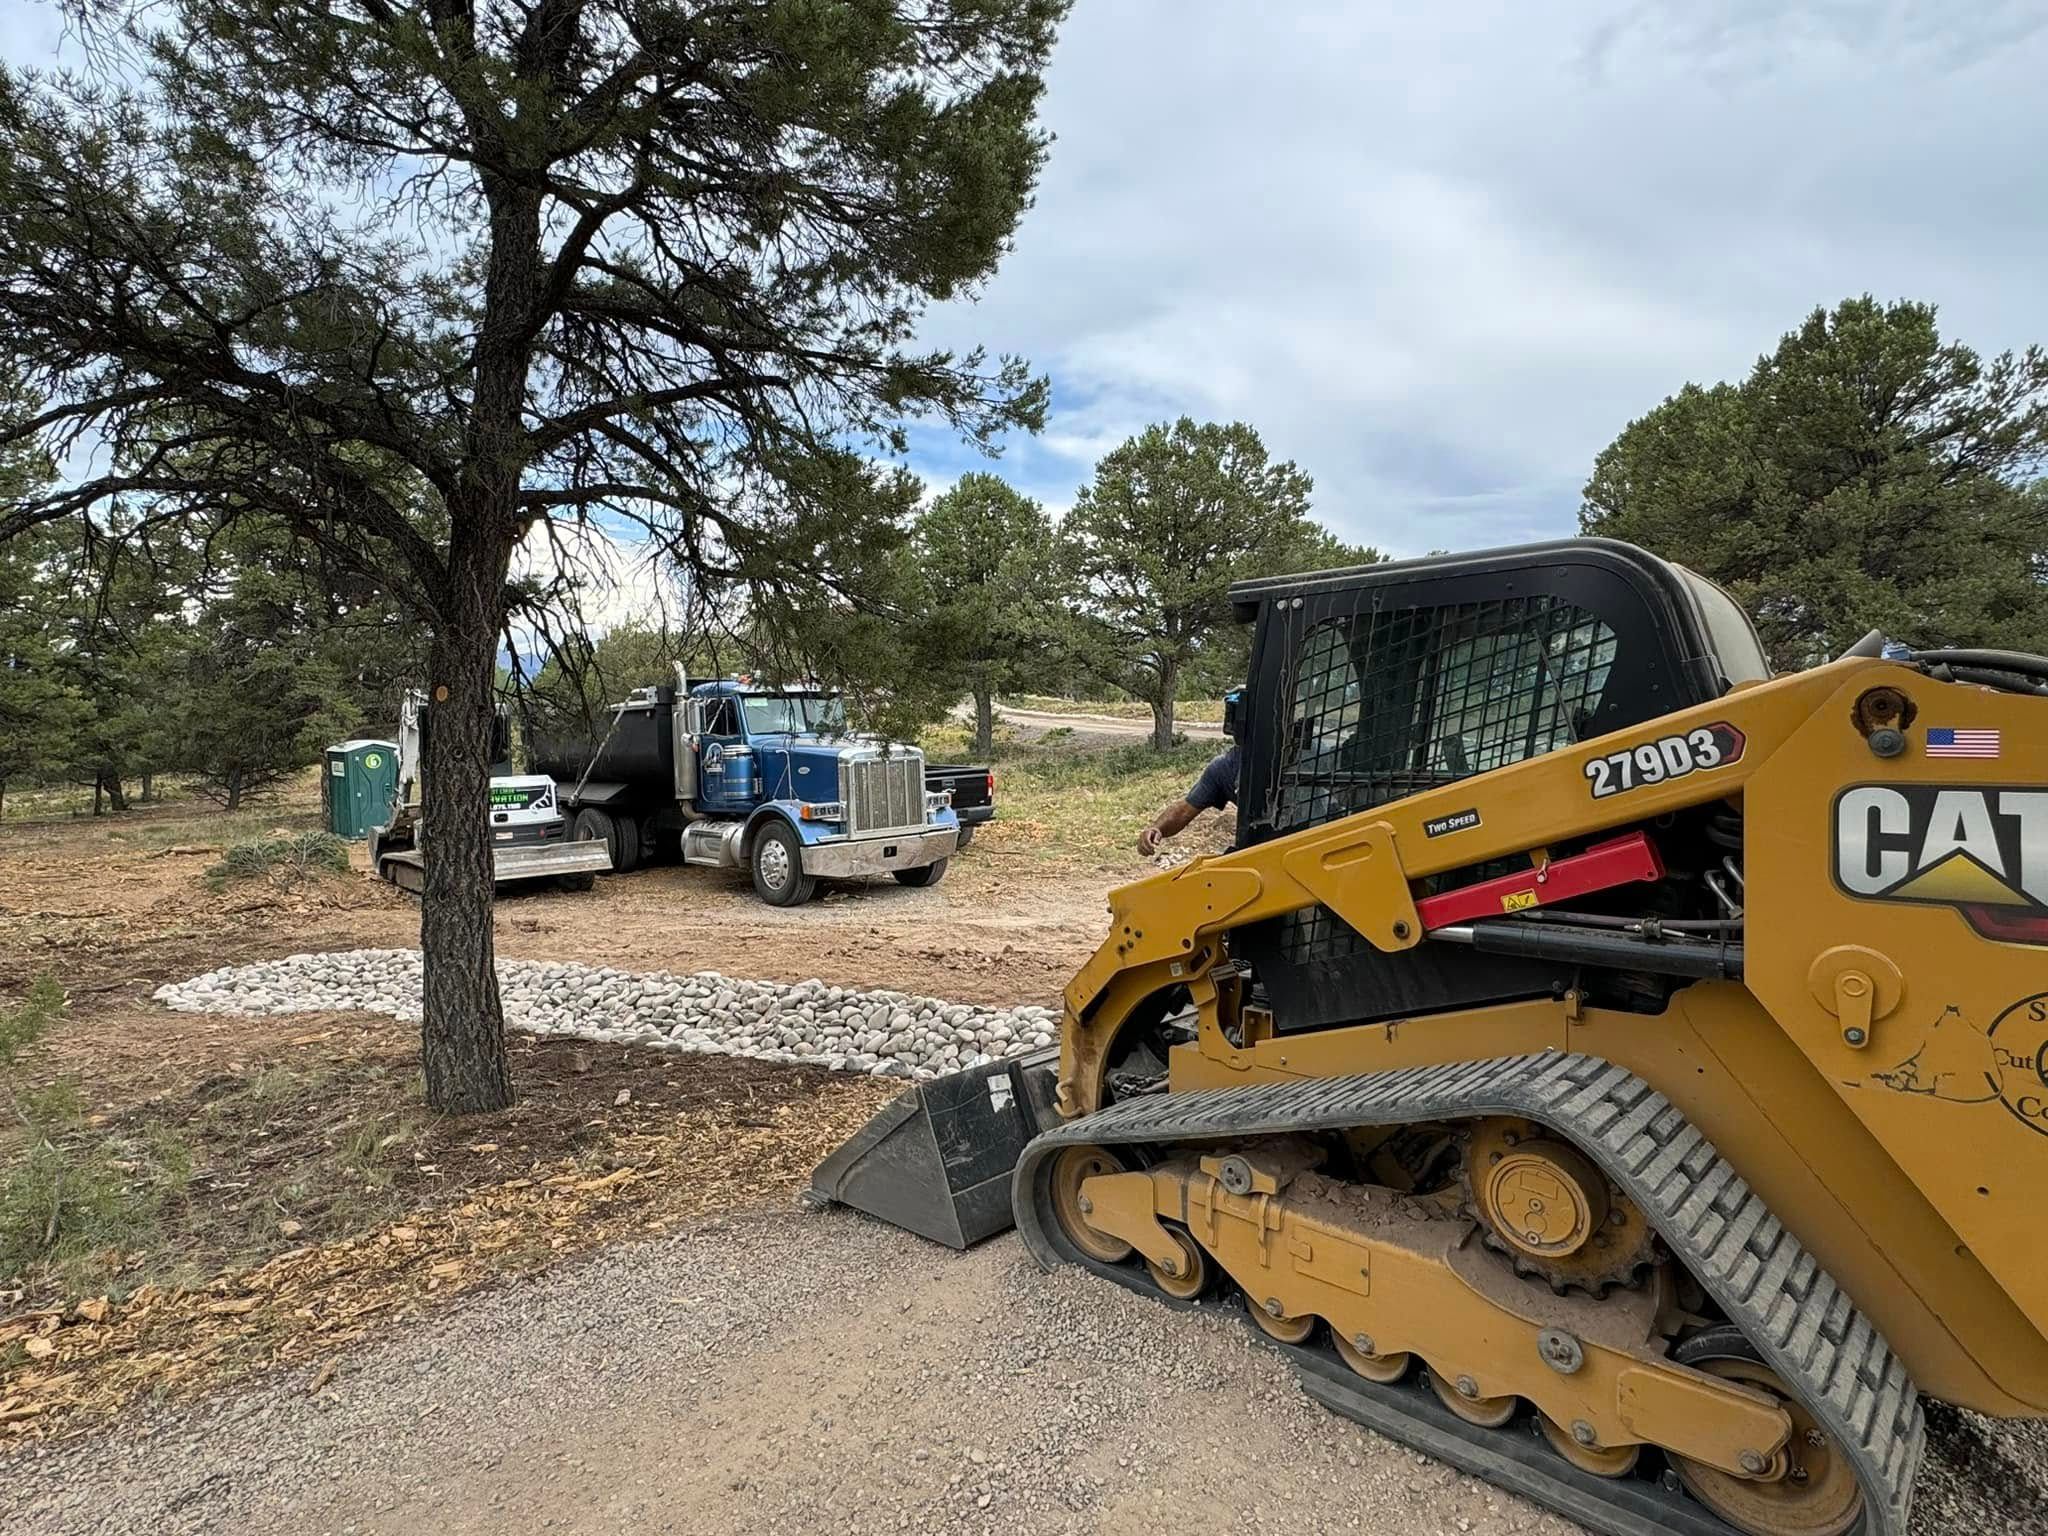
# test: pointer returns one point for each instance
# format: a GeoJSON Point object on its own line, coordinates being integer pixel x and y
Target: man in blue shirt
{"type": "Point", "coordinates": [1216, 788]}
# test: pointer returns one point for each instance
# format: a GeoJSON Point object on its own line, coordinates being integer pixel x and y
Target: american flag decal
{"type": "Point", "coordinates": [1945, 741]}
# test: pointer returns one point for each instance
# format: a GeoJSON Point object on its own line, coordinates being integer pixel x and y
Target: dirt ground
{"type": "Point", "coordinates": [115, 921]}
{"type": "Point", "coordinates": [256, 1156]}
{"type": "Point", "coordinates": [781, 1372]}
{"type": "Point", "coordinates": [787, 1371]}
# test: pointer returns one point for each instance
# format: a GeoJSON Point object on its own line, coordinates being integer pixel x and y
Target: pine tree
{"type": "Point", "coordinates": [1172, 518]}
{"type": "Point", "coordinates": [410, 279]}
{"type": "Point", "coordinates": [995, 591]}
{"type": "Point", "coordinates": [1866, 475]}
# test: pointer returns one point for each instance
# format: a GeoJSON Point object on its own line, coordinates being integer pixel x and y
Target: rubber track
{"type": "Point", "coordinates": [1807, 1329]}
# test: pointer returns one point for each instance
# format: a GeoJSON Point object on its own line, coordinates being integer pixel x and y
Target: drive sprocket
{"type": "Point", "coordinates": [1542, 1203]}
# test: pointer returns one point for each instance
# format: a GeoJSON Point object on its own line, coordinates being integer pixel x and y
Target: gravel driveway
{"type": "Point", "coordinates": [786, 1372]}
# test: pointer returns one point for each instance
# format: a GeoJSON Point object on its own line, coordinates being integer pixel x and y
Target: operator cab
{"type": "Point", "coordinates": [752, 742]}
{"type": "Point", "coordinates": [1377, 682]}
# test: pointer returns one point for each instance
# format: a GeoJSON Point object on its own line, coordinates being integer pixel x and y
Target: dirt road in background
{"type": "Point", "coordinates": [1101, 725]}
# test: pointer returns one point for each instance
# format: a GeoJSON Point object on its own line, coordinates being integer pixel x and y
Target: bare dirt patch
{"type": "Point", "coordinates": [284, 1188]}
{"type": "Point", "coordinates": [313, 1209]}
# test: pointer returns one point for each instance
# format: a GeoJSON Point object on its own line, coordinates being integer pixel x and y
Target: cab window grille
{"type": "Point", "coordinates": [1387, 704]}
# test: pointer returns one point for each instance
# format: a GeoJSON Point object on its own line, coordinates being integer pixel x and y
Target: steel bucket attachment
{"type": "Point", "coordinates": [938, 1160]}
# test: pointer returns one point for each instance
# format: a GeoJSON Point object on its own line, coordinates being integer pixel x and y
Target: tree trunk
{"type": "Point", "coordinates": [148, 788]}
{"type": "Point", "coordinates": [462, 1028]}
{"type": "Point", "coordinates": [462, 1024]}
{"type": "Point", "coordinates": [1162, 707]}
{"type": "Point", "coordinates": [984, 722]}
{"type": "Point", "coordinates": [234, 801]}
{"type": "Point", "coordinates": [117, 798]}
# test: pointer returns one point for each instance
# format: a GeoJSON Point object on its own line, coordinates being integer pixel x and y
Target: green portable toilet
{"type": "Point", "coordinates": [361, 778]}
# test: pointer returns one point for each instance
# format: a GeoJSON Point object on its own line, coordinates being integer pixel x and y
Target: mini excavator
{"type": "Point", "coordinates": [1601, 1064]}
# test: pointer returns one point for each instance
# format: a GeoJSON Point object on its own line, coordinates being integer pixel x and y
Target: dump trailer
{"type": "Point", "coordinates": [1601, 1064]}
{"type": "Point", "coordinates": [530, 838]}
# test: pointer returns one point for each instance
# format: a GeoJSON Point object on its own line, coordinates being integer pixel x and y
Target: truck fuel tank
{"type": "Point", "coordinates": [726, 777]}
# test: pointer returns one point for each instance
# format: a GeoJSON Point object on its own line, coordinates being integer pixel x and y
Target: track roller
{"type": "Point", "coordinates": [1288, 1330]}
{"type": "Point", "coordinates": [1460, 1394]}
{"type": "Point", "coordinates": [1808, 1491]}
{"type": "Point", "coordinates": [1577, 1446]}
{"type": "Point", "coordinates": [1358, 1354]}
{"type": "Point", "coordinates": [1071, 1207]}
{"type": "Point", "coordinates": [1193, 1275]}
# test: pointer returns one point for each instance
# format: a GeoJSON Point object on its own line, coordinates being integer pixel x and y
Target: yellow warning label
{"type": "Point", "coordinates": [1516, 901]}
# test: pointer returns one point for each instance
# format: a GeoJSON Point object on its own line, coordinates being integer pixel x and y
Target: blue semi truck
{"type": "Point", "coordinates": [736, 775]}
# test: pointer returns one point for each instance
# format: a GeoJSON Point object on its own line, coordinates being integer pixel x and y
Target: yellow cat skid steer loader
{"type": "Point", "coordinates": [1602, 1065]}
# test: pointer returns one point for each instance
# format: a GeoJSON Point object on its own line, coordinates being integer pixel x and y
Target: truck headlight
{"type": "Point", "coordinates": [823, 810]}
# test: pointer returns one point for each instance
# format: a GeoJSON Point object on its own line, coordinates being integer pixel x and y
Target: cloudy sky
{"type": "Point", "coordinates": [1440, 251]}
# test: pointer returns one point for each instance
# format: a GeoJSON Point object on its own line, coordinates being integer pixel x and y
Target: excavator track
{"type": "Point", "coordinates": [1806, 1329]}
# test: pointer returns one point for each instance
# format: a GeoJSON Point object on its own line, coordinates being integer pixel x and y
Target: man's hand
{"type": "Point", "coordinates": [1170, 822]}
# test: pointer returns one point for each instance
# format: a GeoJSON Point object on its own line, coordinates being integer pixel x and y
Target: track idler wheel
{"type": "Point", "coordinates": [1192, 1275]}
{"type": "Point", "coordinates": [1070, 1168]}
{"type": "Point", "coordinates": [1806, 1490]}
{"type": "Point", "coordinates": [1461, 1395]}
{"type": "Point", "coordinates": [1576, 1445]}
{"type": "Point", "coordinates": [1357, 1352]}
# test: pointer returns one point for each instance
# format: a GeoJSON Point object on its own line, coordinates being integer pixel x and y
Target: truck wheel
{"type": "Point", "coordinates": [966, 837]}
{"type": "Point", "coordinates": [778, 861]}
{"type": "Point", "coordinates": [626, 852]}
{"type": "Point", "coordinates": [595, 826]}
{"type": "Point", "coordinates": [577, 882]}
{"type": "Point", "coordinates": [930, 874]}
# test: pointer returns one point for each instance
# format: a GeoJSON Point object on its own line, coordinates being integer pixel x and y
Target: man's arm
{"type": "Point", "coordinates": [1170, 822]}
{"type": "Point", "coordinates": [1216, 788]}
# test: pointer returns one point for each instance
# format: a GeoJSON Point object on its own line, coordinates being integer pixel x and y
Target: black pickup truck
{"type": "Point", "coordinates": [974, 794]}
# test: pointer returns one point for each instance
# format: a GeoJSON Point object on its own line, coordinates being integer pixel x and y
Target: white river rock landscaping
{"type": "Point", "coordinates": [889, 1034]}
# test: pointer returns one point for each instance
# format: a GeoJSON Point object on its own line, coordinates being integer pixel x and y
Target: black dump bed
{"type": "Point", "coordinates": [974, 789]}
{"type": "Point", "coordinates": [639, 750]}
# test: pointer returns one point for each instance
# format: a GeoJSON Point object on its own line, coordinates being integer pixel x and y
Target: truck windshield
{"type": "Point", "coordinates": [770, 714]}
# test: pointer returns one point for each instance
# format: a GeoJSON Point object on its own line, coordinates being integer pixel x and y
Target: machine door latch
{"type": "Point", "coordinates": [1854, 997]}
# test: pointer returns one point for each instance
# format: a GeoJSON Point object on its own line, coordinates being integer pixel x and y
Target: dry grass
{"type": "Point", "coordinates": [177, 817]}
{"type": "Point", "coordinates": [315, 1207]}
{"type": "Point", "coordinates": [1064, 805]}
{"type": "Point", "coordinates": [285, 859]}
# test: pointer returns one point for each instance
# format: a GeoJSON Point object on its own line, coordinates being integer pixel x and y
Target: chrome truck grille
{"type": "Point", "coordinates": [883, 793]}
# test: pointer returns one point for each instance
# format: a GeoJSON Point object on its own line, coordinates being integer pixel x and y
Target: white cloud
{"type": "Point", "coordinates": [1441, 255]}
{"type": "Point", "coordinates": [618, 579]}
